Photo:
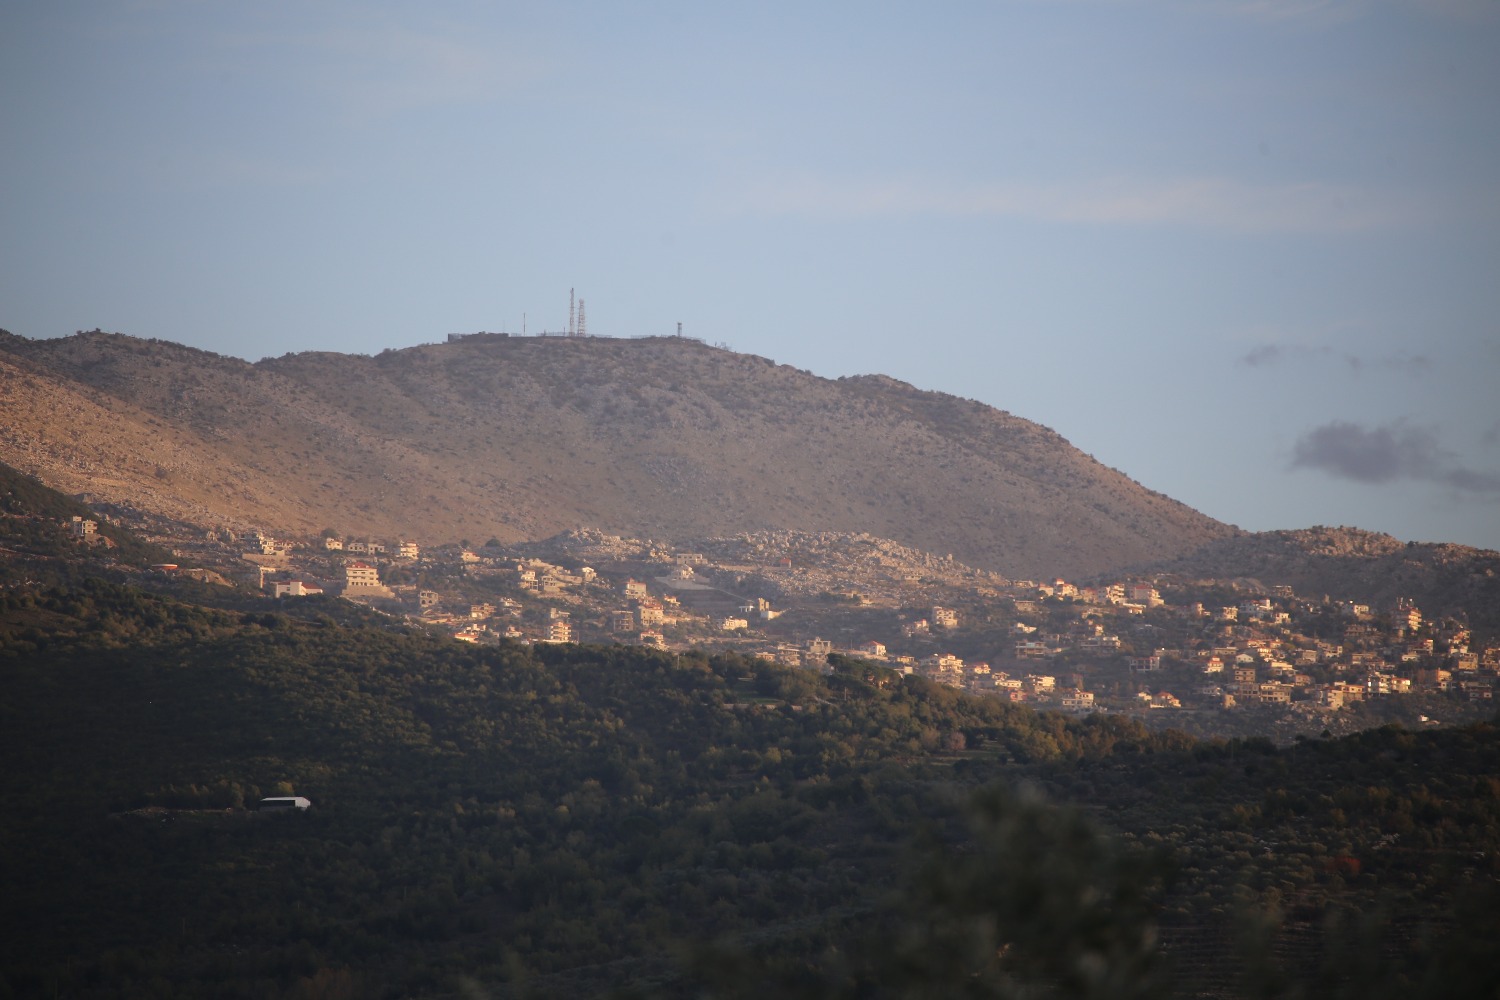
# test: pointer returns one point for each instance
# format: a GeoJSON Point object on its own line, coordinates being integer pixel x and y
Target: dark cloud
{"type": "Point", "coordinates": [1470, 481]}
{"type": "Point", "coordinates": [1270, 355]}
{"type": "Point", "coordinates": [1401, 364]}
{"type": "Point", "coordinates": [1380, 455]}
{"type": "Point", "coordinates": [1387, 454]}
{"type": "Point", "coordinates": [1265, 354]}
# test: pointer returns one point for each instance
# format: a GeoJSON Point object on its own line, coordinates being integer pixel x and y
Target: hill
{"type": "Point", "coordinates": [572, 821]}
{"type": "Point", "coordinates": [522, 438]}
{"type": "Point", "coordinates": [35, 540]}
{"type": "Point", "coordinates": [1366, 566]}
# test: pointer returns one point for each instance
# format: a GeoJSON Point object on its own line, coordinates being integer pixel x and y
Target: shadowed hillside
{"type": "Point", "coordinates": [613, 821]}
{"type": "Point", "coordinates": [520, 438]}
{"type": "Point", "coordinates": [1440, 578]}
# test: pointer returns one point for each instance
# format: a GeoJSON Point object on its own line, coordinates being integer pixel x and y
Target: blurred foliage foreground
{"type": "Point", "coordinates": [610, 821]}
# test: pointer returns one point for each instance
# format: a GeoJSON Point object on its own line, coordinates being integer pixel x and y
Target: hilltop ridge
{"type": "Point", "coordinates": [522, 438]}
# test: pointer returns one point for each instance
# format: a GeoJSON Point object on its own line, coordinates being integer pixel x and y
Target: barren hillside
{"type": "Point", "coordinates": [520, 438]}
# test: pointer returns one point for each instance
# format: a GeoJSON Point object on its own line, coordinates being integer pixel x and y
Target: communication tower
{"type": "Point", "coordinates": [570, 312]}
{"type": "Point", "coordinates": [583, 326]}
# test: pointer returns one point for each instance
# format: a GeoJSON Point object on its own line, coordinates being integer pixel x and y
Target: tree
{"type": "Point", "coordinates": [1034, 902]}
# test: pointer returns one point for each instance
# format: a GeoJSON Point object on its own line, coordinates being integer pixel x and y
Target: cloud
{"type": "Point", "coordinates": [1385, 455]}
{"type": "Point", "coordinates": [1404, 364]}
{"type": "Point", "coordinates": [1264, 356]}
{"type": "Point", "coordinates": [1271, 355]}
{"type": "Point", "coordinates": [1196, 202]}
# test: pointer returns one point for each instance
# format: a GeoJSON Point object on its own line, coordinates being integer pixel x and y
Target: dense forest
{"type": "Point", "coordinates": [522, 821]}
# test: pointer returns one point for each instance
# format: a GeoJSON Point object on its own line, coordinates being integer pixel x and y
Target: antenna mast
{"type": "Point", "coordinates": [570, 312]}
{"type": "Point", "coordinates": [583, 327]}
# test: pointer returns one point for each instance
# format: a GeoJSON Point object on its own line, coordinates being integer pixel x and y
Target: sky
{"type": "Point", "coordinates": [1245, 251]}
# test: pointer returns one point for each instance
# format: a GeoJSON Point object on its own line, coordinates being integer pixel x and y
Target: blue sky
{"type": "Point", "coordinates": [1246, 251]}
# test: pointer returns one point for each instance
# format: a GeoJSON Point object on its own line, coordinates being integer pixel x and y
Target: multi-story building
{"type": "Point", "coordinates": [1078, 701]}
{"type": "Point", "coordinates": [361, 574]}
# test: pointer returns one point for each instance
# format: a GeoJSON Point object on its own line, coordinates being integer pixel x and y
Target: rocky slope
{"type": "Point", "coordinates": [1360, 565]}
{"type": "Point", "coordinates": [521, 438]}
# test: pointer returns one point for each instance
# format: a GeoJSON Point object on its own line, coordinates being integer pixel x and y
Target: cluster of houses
{"type": "Point", "coordinates": [1371, 661]}
{"type": "Point", "coordinates": [406, 550]}
{"type": "Point", "coordinates": [360, 579]}
{"type": "Point", "coordinates": [950, 670]}
{"type": "Point", "coordinates": [1261, 658]}
{"type": "Point", "coordinates": [640, 620]}
{"type": "Point", "coordinates": [976, 677]}
{"type": "Point", "coordinates": [1252, 652]}
{"type": "Point", "coordinates": [480, 622]}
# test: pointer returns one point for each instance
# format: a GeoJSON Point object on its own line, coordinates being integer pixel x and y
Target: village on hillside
{"type": "Point", "coordinates": [1166, 648]}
